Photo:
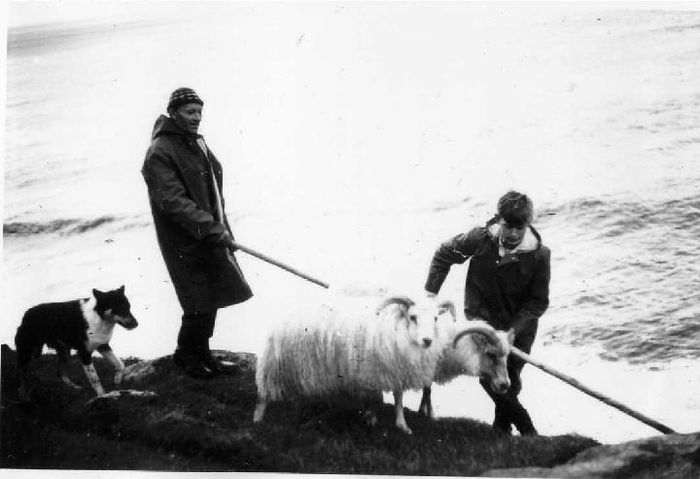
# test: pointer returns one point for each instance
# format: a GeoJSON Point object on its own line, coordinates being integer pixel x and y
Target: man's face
{"type": "Point", "coordinates": [188, 116]}
{"type": "Point", "coordinates": [510, 235]}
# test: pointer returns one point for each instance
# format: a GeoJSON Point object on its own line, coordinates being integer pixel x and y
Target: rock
{"type": "Point", "coordinates": [669, 456]}
{"type": "Point", "coordinates": [137, 371]}
{"type": "Point", "coordinates": [146, 372]}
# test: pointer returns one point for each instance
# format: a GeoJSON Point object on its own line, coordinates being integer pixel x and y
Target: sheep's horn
{"type": "Point", "coordinates": [403, 300]}
{"type": "Point", "coordinates": [486, 331]}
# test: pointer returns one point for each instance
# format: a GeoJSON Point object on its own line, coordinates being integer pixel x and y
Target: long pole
{"type": "Point", "coordinates": [601, 397]}
{"type": "Point", "coordinates": [279, 264]}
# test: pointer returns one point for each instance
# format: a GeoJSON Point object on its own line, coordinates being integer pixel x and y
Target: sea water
{"type": "Point", "coordinates": [357, 137]}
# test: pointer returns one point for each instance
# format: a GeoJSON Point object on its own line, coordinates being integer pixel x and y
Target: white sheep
{"type": "Point", "coordinates": [356, 354]}
{"type": "Point", "coordinates": [472, 348]}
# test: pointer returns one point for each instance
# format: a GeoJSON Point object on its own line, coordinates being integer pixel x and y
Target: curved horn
{"type": "Point", "coordinates": [486, 331]}
{"type": "Point", "coordinates": [402, 300]}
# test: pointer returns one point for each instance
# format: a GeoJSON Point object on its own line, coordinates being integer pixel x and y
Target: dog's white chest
{"type": "Point", "coordinates": [98, 331]}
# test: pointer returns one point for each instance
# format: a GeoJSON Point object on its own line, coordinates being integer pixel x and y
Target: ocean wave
{"type": "Point", "coordinates": [449, 205]}
{"type": "Point", "coordinates": [658, 339]}
{"type": "Point", "coordinates": [639, 301]}
{"type": "Point", "coordinates": [681, 28]}
{"type": "Point", "coordinates": [37, 38]}
{"type": "Point", "coordinates": [611, 217]}
{"type": "Point", "coordinates": [72, 226]}
{"type": "Point", "coordinates": [590, 299]}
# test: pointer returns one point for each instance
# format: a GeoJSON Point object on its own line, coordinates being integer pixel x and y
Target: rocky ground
{"type": "Point", "coordinates": [162, 420]}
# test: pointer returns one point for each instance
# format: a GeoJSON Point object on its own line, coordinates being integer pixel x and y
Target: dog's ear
{"type": "Point", "coordinates": [121, 289]}
{"type": "Point", "coordinates": [97, 293]}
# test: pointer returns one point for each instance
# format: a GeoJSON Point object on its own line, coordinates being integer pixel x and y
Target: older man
{"type": "Point", "coordinates": [507, 285]}
{"type": "Point", "coordinates": [184, 181]}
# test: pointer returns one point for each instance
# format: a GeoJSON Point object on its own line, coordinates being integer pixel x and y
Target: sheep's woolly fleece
{"type": "Point", "coordinates": [351, 353]}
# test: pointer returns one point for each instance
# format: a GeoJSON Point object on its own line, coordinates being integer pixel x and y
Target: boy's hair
{"type": "Point", "coordinates": [516, 209]}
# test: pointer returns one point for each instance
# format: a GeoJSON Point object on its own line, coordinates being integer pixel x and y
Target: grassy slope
{"type": "Point", "coordinates": [196, 425]}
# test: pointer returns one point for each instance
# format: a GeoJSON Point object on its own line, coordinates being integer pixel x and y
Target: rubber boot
{"type": "Point", "coordinates": [205, 355]}
{"type": "Point", "coordinates": [189, 339]}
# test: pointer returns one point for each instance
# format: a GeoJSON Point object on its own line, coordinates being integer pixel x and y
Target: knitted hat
{"type": "Point", "coordinates": [182, 96]}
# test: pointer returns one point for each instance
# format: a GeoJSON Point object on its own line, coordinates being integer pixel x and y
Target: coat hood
{"type": "Point", "coordinates": [531, 241]}
{"type": "Point", "coordinates": [166, 126]}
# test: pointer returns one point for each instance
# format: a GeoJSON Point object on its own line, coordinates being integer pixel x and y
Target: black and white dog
{"type": "Point", "coordinates": [85, 325]}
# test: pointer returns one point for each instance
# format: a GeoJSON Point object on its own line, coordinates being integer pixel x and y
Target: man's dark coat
{"type": "Point", "coordinates": [183, 204]}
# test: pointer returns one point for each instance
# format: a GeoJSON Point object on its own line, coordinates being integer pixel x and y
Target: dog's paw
{"type": "Point", "coordinates": [99, 390]}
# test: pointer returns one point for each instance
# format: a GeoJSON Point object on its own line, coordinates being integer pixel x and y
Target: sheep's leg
{"type": "Point", "coordinates": [398, 406]}
{"type": "Point", "coordinates": [369, 412]}
{"type": "Point", "coordinates": [260, 408]}
{"type": "Point", "coordinates": [370, 417]}
{"type": "Point", "coordinates": [426, 404]}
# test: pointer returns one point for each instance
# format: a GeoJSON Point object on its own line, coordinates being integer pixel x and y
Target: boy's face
{"type": "Point", "coordinates": [510, 235]}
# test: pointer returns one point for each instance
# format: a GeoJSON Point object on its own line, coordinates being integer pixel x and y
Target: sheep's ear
{"type": "Point", "coordinates": [511, 336]}
{"type": "Point", "coordinates": [445, 306]}
{"type": "Point", "coordinates": [404, 301]}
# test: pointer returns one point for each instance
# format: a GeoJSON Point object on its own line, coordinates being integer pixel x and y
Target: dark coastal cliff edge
{"type": "Point", "coordinates": [183, 424]}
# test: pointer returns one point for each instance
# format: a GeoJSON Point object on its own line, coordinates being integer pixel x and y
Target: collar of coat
{"type": "Point", "coordinates": [530, 242]}
{"type": "Point", "coordinates": [166, 126]}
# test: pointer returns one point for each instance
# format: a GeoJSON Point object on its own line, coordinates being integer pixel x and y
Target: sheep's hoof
{"type": "Point", "coordinates": [370, 418]}
{"type": "Point", "coordinates": [405, 429]}
{"type": "Point", "coordinates": [427, 412]}
{"type": "Point", "coordinates": [259, 412]}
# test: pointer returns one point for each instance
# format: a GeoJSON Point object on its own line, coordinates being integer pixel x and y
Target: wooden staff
{"type": "Point", "coordinates": [611, 402]}
{"type": "Point", "coordinates": [285, 267]}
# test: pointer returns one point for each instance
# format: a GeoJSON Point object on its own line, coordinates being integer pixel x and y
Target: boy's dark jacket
{"type": "Point", "coordinates": [508, 292]}
{"type": "Point", "coordinates": [183, 204]}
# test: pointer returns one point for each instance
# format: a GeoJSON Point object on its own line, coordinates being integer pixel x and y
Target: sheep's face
{"type": "Point", "coordinates": [420, 328]}
{"type": "Point", "coordinates": [432, 322]}
{"type": "Point", "coordinates": [420, 320]}
{"type": "Point", "coordinates": [493, 360]}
